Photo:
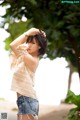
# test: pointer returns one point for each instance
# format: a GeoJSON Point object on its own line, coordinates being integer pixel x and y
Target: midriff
{"type": "Point", "coordinates": [18, 95]}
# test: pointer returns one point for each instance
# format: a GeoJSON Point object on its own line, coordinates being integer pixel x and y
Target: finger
{"type": "Point", "coordinates": [43, 33]}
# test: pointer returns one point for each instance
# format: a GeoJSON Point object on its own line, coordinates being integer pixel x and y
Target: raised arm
{"type": "Point", "coordinates": [22, 39]}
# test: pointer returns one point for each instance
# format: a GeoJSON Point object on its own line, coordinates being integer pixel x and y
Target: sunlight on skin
{"type": "Point", "coordinates": [51, 78]}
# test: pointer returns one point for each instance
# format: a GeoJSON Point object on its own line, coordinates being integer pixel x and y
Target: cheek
{"type": "Point", "coordinates": [36, 47]}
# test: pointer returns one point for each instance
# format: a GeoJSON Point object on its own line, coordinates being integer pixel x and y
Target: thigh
{"type": "Point", "coordinates": [27, 117]}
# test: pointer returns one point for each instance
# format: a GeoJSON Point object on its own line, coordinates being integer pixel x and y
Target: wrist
{"type": "Point", "coordinates": [26, 34]}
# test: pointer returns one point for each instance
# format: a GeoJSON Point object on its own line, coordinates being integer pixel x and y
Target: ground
{"type": "Point", "coordinates": [47, 112]}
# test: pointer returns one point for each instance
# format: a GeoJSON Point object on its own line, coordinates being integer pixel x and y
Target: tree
{"type": "Point", "coordinates": [60, 21]}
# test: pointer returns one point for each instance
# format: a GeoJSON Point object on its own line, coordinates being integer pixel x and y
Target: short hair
{"type": "Point", "coordinates": [41, 40]}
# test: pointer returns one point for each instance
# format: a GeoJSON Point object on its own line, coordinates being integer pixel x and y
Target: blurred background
{"type": "Point", "coordinates": [51, 77]}
{"type": "Point", "coordinates": [59, 69]}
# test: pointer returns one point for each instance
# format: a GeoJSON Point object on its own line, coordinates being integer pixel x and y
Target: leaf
{"type": "Point", "coordinates": [72, 98]}
{"type": "Point", "coordinates": [7, 43]}
{"type": "Point", "coordinates": [72, 115]}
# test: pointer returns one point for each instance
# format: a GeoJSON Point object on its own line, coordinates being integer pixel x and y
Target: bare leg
{"type": "Point", "coordinates": [27, 117]}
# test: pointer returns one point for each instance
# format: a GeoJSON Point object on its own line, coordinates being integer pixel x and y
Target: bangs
{"type": "Point", "coordinates": [31, 39]}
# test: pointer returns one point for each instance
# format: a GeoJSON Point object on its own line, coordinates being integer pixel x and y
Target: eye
{"type": "Point", "coordinates": [33, 42]}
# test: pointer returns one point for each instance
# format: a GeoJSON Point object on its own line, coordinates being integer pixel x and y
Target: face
{"type": "Point", "coordinates": [33, 47]}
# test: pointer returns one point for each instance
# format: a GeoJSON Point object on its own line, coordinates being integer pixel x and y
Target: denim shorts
{"type": "Point", "coordinates": [27, 105]}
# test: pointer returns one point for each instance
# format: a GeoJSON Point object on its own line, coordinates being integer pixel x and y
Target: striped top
{"type": "Point", "coordinates": [23, 80]}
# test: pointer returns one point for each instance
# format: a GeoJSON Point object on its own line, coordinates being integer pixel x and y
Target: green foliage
{"type": "Point", "coordinates": [15, 29]}
{"type": "Point", "coordinates": [74, 99]}
{"type": "Point", "coordinates": [2, 99]}
{"type": "Point", "coordinates": [59, 21]}
{"type": "Point", "coordinates": [7, 42]}
{"type": "Point", "coordinates": [72, 114]}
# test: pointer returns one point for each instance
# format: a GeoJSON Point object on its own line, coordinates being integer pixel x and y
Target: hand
{"type": "Point", "coordinates": [21, 49]}
{"type": "Point", "coordinates": [32, 31]}
{"type": "Point", "coordinates": [42, 32]}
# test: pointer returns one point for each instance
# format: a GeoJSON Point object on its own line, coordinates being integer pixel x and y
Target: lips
{"type": "Point", "coordinates": [28, 49]}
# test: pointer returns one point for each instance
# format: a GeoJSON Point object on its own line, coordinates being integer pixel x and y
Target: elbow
{"type": "Point", "coordinates": [11, 46]}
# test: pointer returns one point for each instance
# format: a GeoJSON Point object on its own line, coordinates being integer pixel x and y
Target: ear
{"type": "Point", "coordinates": [39, 47]}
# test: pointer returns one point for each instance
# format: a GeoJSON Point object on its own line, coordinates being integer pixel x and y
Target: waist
{"type": "Point", "coordinates": [18, 95]}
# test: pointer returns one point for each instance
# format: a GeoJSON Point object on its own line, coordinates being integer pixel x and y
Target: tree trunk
{"type": "Point", "coordinates": [76, 50]}
{"type": "Point", "coordinates": [69, 80]}
{"type": "Point", "coordinates": [70, 76]}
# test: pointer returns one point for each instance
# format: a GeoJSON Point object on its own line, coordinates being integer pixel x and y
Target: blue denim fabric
{"type": "Point", "coordinates": [27, 105]}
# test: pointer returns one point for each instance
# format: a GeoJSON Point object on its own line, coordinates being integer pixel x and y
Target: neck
{"type": "Point", "coordinates": [35, 55]}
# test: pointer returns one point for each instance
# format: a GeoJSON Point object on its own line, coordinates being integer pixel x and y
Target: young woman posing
{"type": "Point", "coordinates": [27, 50]}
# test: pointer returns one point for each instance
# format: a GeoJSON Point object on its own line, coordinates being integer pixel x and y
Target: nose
{"type": "Point", "coordinates": [25, 46]}
{"type": "Point", "coordinates": [29, 45]}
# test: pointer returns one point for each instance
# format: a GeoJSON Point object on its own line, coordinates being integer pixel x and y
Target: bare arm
{"type": "Point", "coordinates": [22, 39]}
{"type": "Point", "coordinates": [30, 61]}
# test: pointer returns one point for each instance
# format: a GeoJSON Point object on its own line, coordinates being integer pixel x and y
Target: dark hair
{"type": "Point", "coordinates": [41, 40]}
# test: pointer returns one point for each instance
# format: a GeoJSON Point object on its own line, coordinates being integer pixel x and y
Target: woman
{"type": "Point", "coordinates": [27, 50]}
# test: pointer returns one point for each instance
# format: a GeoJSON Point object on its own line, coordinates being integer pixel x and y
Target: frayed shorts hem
{"type": "Point", "coordinates": [35, 117]}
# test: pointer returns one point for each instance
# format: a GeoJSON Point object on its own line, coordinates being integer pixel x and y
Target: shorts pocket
{"type": "Point", "coordinates": [34, 105]}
